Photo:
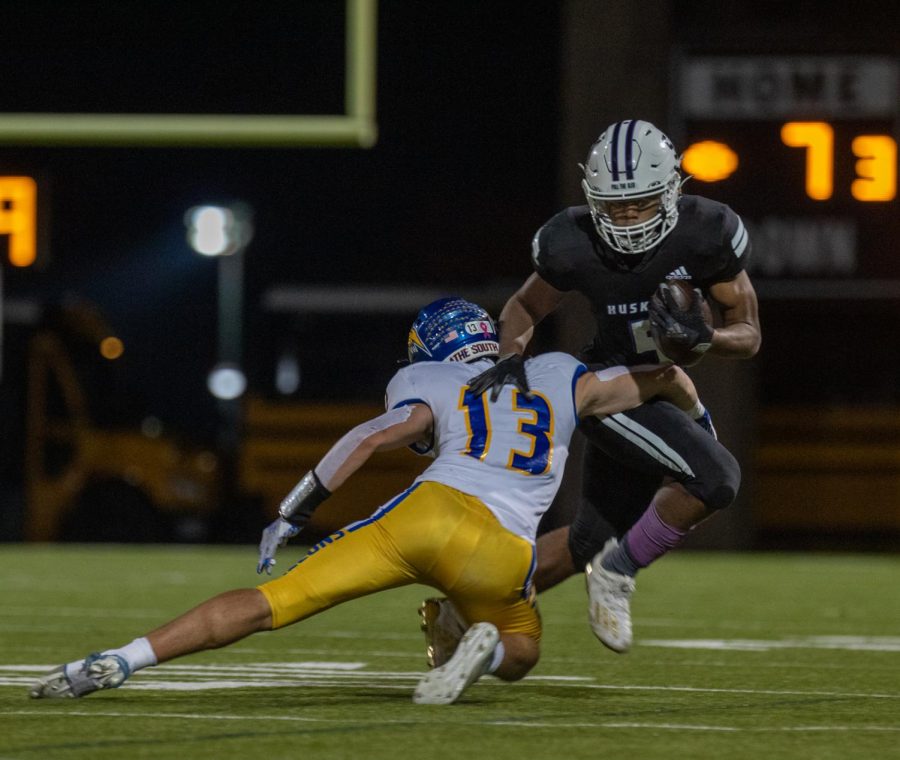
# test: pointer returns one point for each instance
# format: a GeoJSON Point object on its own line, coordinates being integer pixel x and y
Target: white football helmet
{"type": "Point", "coordinates": [631, 160]}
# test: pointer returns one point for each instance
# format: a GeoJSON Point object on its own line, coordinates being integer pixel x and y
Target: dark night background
{"type": "Point", "coordinates": [462, 174]}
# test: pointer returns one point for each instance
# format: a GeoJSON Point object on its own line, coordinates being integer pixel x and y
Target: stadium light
{"type": "Point", "coordinates": [218, 230]}
{"type": "Point", "coordinates": [224, 232]}
{"type": "Point", "coordinates": [226, 382]}
{"type": "Point", "coordinates": [208, 230]}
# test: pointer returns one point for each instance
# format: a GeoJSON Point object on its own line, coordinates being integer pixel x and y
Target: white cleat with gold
{"type": "Point", "coordinates": [609, 597]}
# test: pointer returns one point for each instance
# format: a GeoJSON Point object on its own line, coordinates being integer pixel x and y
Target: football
{"type": "Point", "coordinates": [683, 295]}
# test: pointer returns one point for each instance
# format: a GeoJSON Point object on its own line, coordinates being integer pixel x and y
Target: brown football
{"type": "Point", "coordinates": [683, 294]}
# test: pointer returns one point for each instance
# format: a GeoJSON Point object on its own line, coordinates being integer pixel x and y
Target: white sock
{"type": "Point", "coordinates": [499, 653]}
{"type": "Point", "coordinates": [138, 654]}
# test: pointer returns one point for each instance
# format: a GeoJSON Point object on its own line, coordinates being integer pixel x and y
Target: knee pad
{"type": "Point", "coordinates": [718, 484]}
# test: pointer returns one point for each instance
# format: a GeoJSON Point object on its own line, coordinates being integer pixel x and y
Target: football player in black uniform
{"type": "Point", "coordinates": [651, 474]}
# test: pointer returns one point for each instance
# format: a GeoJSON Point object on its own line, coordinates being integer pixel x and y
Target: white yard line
{"type": "Point", "coordinates": [429, 721]}
{"type": "Point", "coordinates": [846, 643]}
{"type": "Point", "coordinates": [772, 692]}
{"type": "Point", "coordinates": [188, 677]}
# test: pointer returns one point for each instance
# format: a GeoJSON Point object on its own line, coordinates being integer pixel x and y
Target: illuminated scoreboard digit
{"type": "Point", "coordinates": [805, 150]}
{"type": "Point", "coordinates": [18, 218]}
{"type": "Point", "coordinates": [876, 165]}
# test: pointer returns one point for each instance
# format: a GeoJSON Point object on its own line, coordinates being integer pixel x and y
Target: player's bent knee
{"type": "Point", "coordinates": [723, 483]}
{"type": "Point", "coordinates": [721, 497]}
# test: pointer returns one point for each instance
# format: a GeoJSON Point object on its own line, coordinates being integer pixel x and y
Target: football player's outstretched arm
{"type": "Point", "coordinates": [739, 337]}
{"type": "Point", "coordinates": [618, 389]}
{"type": "Point", "coordinates": [523, 311]}
{"type": "Point", "coordinates": [391, 430]}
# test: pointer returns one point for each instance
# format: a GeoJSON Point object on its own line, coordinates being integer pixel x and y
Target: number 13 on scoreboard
{"type": "Point", "coordinates": [876, 165]}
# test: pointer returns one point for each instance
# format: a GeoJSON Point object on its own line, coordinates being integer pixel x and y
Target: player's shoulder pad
{"type": "Point", "coordinates": [407, 371]}
{"type": "Point", "coordinates": [715, 223]}
{"type": "Point", "coordinates": [420, 372]}
{"type": "Point", "coordinates": [425, 375]}
{"type": "Point", "coordinates": [702, 211]}
{"type": "Point", "coordinates": [404, 383]}
{"type": "Point", "coordinates": [715, 235]}
{"type": "Point", "coordinates": [556, 245]}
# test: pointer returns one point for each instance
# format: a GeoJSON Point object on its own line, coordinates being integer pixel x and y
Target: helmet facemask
{"type": "Point", "coordinates": [641, 236]}
{"type": "Point", "coordinates": [631, 161]}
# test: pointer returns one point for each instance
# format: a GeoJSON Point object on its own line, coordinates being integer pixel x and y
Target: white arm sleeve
{"type": "Point", "coordinates": [344, 448]}
{"type": "Point", "coordinates": [610, 373]}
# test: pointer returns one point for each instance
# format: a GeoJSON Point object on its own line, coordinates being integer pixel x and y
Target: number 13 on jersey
{"type": "Point", "coordinates": [535, 423]}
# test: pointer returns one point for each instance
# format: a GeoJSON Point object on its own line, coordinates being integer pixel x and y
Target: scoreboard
{"type": "Point", "coordinates": [804, 148]}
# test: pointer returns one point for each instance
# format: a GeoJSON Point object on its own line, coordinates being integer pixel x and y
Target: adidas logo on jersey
{"type": "Point", "coordinates": [678, 274]}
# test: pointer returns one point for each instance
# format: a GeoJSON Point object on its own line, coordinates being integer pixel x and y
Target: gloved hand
{"type": "Point", "coordinates": [705, 421]}
{"type": "Point", "coordinates": [685, 327]}
{"type": "Point", "coordinates": [509, 369]}
{"type": "Point", "coordinates": [274, 535]}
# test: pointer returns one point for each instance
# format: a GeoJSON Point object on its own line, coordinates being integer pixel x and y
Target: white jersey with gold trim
{"type": "Point", "coordinates": [510, 453]}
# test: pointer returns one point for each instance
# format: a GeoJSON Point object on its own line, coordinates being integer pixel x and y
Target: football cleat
{"type": "Point", "coordinates": [444, 685]}
{"type": "Point", "coordinates": [443, 629]}
{"type": "Point", "coordinates": [96, 671]}
{"type": "Point", "coordinates": [609, 597]}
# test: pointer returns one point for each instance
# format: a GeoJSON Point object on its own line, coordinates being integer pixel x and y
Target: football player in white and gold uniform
{"type": "Point", "coordinates": [466, 526]}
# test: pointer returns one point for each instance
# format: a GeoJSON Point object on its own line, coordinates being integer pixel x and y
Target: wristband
{"type": "Point", "coordinates": [303, 499]}
{"type": "Point", "coordinates": [697, 410]}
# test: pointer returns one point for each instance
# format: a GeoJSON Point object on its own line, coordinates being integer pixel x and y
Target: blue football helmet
{"type": "Point", "coordinates": [452, 330]}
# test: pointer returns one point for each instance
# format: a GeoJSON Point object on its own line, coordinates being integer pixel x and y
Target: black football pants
{"type": "Point", "coordinates": [626, 459]}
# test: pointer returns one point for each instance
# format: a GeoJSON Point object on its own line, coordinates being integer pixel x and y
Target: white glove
{"type": "Point", "coordinates": [274, 535]}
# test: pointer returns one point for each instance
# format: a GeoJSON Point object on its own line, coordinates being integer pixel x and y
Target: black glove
{"type": "Point", "coordinates": [510, 369]}
{"type": "Point", "coordinates": [684, 327]}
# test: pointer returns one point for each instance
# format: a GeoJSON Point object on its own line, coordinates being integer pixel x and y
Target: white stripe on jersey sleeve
{"type": "Point", "coordinates": [740, 239]}
{"type": "Point", "coordinates": [536, 245]}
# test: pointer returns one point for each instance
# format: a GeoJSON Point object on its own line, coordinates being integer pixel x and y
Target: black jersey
{"type": "Point", "coordinates": [709, 244]}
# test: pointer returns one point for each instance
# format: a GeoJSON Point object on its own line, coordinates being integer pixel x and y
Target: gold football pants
{"type": "Point", "coordinates": [430, 534]}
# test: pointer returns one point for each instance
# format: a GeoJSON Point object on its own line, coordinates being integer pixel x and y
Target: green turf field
{"type": "Point", "coordinates": [736, 656]}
